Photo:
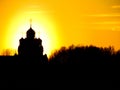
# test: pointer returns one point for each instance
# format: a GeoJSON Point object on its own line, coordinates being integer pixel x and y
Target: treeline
{"type": "Point", "coordinates": [85, 54]}
{"type": "Point", "coordinates": [70, 55]}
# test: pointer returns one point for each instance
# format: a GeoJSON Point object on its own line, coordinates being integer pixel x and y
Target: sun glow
{"type": "Point", "coordinates": [61, 22]}
{"type": "Point", "coordinates": [43, 26]}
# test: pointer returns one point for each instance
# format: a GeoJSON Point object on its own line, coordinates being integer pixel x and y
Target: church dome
{"type": "Point", "coordinates": [30, 33]}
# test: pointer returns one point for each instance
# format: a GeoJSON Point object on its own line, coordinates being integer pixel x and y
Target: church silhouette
{"type": "Point", "coordinates": [30, 49]}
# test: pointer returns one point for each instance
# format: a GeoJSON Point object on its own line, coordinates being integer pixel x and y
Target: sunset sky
{"type": "Point", "coordinates": [61, 22]}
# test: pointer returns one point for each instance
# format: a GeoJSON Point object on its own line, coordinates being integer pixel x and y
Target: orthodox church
{"type": "Point", "coordinates": [31, 46]}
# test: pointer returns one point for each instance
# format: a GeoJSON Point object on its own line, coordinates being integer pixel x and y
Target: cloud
{"type": "Point", "coordinates": [107, 22]}
{"type": "Point", "coordinates": [116, 7]}
{"type": "Point", "coordinates": [30, 12]}
{"type": "Point", "coordinates": [104, 15]}
{"type": "Point", "coordinates": [117, 28]}
{"type": "Point", "coordinates": [37, 12]}
{"type": "Point", "coordinates": [34, 6]}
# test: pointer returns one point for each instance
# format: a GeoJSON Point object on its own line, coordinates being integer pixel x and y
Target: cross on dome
{"type": "Point", "coordinates": [30, 33]}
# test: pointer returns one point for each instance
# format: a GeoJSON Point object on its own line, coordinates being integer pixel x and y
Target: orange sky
{"type": "Point", "coordinates": [61, 22]}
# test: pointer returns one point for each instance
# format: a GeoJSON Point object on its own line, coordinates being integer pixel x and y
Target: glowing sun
{"type": "Point", "coordinates": [42, 25]}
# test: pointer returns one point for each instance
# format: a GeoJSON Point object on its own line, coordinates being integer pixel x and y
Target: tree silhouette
{"type": "Point", "coordinates": [82, 54]}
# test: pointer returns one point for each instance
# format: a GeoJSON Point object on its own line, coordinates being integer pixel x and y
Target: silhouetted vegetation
{"type": "Point", "coordinates": [85, 54]}
{"type": "Point", "coordinates": [8, 52]}
{"type": "Point", "coordinates": [71, 55]}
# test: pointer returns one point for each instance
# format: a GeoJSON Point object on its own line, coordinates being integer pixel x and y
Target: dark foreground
{"type": "Point", "coordinates": [67, 68]}
{"type": "Point", "coordinates": [17, 60]}
{"type": "Point", "coordinates": [17, 72]}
